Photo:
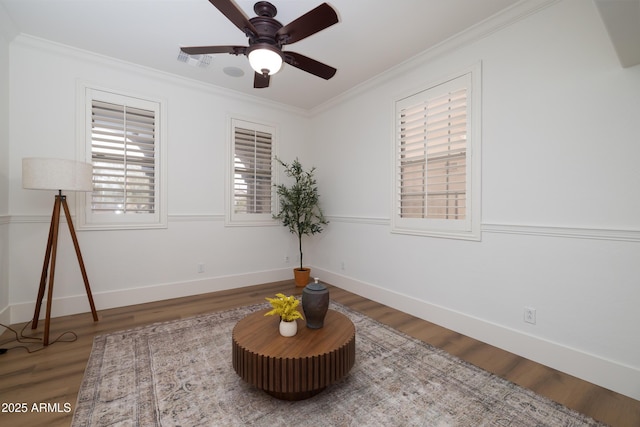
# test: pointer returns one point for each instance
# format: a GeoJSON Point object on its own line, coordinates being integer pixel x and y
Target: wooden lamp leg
{"type": "Point", "coordinates": [72, 230]}
{"type": "Point", "coordinates": [45, 267]}
{"type": "Point", "coordinates": [50, 260]}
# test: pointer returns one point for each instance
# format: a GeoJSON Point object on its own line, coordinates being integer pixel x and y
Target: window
{"type": "Point", "coordinates": [122, 139]}
{"type": "Point", "coordinates": [251, 201]}
{"type": "Point", "coordinates": [437, 163]}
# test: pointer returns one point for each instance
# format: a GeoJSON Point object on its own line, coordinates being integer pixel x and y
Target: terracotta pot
{"type": "Point", "coordinates": [288, 329]}
{"type": "Point", "coordinates": [301, 276]}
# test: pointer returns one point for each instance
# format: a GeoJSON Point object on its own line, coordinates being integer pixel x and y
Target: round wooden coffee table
{"type": "Point", "coordinates": [297, 367]}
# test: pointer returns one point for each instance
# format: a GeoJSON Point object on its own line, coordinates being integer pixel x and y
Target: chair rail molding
{"type": "Point", "coordinates": [568, 232]}
{"type": "Point", "coordinates": [627, 235]}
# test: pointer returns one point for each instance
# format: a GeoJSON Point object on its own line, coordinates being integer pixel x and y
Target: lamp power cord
{"type": "Point", "coordinates": [22, 339]}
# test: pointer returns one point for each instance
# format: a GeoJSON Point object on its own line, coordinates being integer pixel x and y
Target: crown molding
{"type": "Point", "coordinates": [502, 19]}
{"type": "Point", "coordinates": [38, 43]}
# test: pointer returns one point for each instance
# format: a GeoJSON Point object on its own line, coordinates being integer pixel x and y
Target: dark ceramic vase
{"type": "Point", "coordinates": [315, 303]}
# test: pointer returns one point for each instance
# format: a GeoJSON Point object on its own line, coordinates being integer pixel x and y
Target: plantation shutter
{"type": "Point", "coordinates": [252, 182]}
{"type": "Point", "coordinates": [123, 153]}
{"type": "Point", "coordinates": [432, 155]}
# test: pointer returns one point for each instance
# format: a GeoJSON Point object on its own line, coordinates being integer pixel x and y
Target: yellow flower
{"type": "Point", "coordinates": [285, 307]}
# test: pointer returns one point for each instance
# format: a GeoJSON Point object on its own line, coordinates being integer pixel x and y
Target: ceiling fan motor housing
{"type": "Point", "coordinates": [266, 27]}
{"type": "Point", "coordinates": [264, 8]}
{"type": "Point", "coordinates": [265, 24]}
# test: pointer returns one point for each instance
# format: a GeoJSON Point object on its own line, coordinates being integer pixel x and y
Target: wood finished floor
{"type": "Point", "coordinates": [54, 375]}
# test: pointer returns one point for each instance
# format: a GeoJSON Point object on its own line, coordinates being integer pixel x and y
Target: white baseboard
{"type": "Point", "coordinates": [5, 318]}
{"type": "Point", "coordinates": [23, 312]}
{"type": "Point", "coordinates": [597, 370]}
{"type": "Point", "coordinates": [606, 373]}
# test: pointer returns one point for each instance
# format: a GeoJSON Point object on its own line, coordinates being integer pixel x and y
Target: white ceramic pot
{"type": "Point", "coordinates": [288, 329]}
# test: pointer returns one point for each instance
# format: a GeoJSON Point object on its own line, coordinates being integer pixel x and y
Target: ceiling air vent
{"type": "Point", "coordinates": [202, 61]}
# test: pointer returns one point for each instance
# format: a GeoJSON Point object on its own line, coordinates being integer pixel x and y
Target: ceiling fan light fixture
{"type": "Point", "coordinates": [265, 59]}
{"type": "Point", "coordinates": [267, 36]}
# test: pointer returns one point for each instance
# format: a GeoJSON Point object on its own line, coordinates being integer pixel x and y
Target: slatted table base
{"type": "Point", "coordinates": [293, 368]}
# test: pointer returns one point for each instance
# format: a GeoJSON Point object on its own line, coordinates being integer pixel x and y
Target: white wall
{"type": "Point", "coordinates": [560, 203]}
{"type": "Point", "coordinates": [560, 199]}
{"type": "Point", "coordinates": [127, 267]}
{"type": "Point", "coordinates": [5, 37]}
{"type": "Point", "coordinates": [4, 124]}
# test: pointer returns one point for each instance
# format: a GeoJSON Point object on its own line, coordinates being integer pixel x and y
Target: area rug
{"type": "Point", "coordinates": [179, 373]}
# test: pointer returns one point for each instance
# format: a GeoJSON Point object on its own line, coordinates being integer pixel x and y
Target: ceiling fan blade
{"type": "Point", "coordinates": [261, 81]}
{"type": "Point", "coordinates": [200, 50]}
{"type": "Point", "coordinates": [234, 14]}
{"type": "Point", "coordinates": [308, 24]}
{"type": "Point", "coordinates": [309, 65]}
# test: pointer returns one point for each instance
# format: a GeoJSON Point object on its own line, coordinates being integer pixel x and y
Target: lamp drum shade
{"type": "Point", "coordinates": [56, 174]}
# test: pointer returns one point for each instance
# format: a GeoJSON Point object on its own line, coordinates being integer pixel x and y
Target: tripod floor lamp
{"type": "Point", "coordinates": [57, 174]}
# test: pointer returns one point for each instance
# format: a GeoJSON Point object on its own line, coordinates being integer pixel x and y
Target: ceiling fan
{"type": "Point", "coordinates": [267, 36]}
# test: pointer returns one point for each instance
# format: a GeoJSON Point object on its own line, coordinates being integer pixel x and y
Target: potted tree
{"type": "Point", "coordinates": [299, 209]}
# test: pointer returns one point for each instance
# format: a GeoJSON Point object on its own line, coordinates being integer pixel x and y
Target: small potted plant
{"type": "Point", "coordinates": [287, 308]}
{"type": "Point", "coordinates": [300, 210]}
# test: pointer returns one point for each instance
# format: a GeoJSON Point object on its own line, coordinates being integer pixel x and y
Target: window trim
{"type": "Point", "coordinates": [233, 219]}
{"type": "Point", "coordinates": [470, 228]}
{"type": "Point", "coordinates": [86, 219]}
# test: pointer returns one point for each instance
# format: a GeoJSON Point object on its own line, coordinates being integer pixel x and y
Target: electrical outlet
{"type": "Point", "coordinates": [200, 268]}
{"type": "Point", "coordinates": [530, 315]}
{"type": "Point", "coordinates": [286, 259]}
{"type": "Point", "coordinates": [342, 266]}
